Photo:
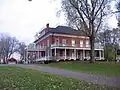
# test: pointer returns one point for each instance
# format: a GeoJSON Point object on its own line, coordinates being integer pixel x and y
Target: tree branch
{"type": "Point", "coordinates": [99, 8]}
{"type": "Point", "coordinates": [100, 21]}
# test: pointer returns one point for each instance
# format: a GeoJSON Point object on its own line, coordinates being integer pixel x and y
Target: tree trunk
{"type": "Point", "coordinates": [92, 52]}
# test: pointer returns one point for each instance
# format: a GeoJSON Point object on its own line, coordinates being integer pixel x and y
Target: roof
{"type": "Point", "coordinates": [63, 30]}
{"type": "Point", "coordinates": [66, 30]}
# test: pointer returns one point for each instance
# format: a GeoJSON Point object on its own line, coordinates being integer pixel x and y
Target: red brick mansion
{"type": "Point", "coordinates": [64, 43]}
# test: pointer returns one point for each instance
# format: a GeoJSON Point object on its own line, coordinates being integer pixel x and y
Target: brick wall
{"type": "Point", "coordinates": [68, 40]}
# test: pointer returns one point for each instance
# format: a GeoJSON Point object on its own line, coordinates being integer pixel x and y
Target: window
{"type": "Point", "coordinates": [73, 42]}
{"type": "Point", "coordinates": [43, 45]}
{"type": "Point", "coordinates": [87, 43]}
{"type": "Point", "coordinates": [48, 43]}
{"type": "Point", "coordinates": [57, 41]}
{"type": "Point", "coordinates": [39, 46]}
{"type": "Point", "coordinates": [64, 42]}
{"type": "Point", "coordinates": [81, 43]}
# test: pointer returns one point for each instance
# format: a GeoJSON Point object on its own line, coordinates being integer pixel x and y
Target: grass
{"type": "Point", "coordinates": [15, 78]}
{"type": "Point", "coordinates": [99, 68]}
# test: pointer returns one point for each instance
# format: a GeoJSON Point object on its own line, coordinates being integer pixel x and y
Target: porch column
{"type": "Point", "coordinates": [74, 53]}
{"type": "Point", "coordinates": [100, 54]}
{"type": "Point", "coordinates": [55, 53]}
{"type": "Point", "coordinates": [38, 54]}
{"type": "Point", "coordinates": [51, 52]}
{"type": "Point", "coordinates": [65, 53]}
{"type": "Point", "coordinates": [83, 54]}
{"type": "Point", "coordinates": [103, 54]}
{"type": "Point", "coordinates": [48, 54]}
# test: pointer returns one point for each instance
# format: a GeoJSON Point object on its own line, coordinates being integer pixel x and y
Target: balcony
{"type": "Point", "coordinates": [67, 46]}
{"type": "Point", "coordinates": [80, 46]}
{"type": "Point", "coordinates": [37, 48]}
{"type": "Point", "coordinates": [70, 45]}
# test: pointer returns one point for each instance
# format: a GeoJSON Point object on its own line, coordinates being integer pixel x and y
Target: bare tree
{"type": "Point", "coordinates": [117, 12]}
{"type": "Point", "coordinates": [110, 38]}
{"type": "Point", "coordinates": [86, 15]}
{"type": "Point", "coordinates": [21, 50]}
{"type": "Point", "coordinates": [104, 37]}
{"type": "Point", "coordinates": [7, 46]}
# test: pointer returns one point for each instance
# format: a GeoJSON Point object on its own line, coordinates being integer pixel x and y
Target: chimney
{"type": "Point", "coordinates": [47, 25]}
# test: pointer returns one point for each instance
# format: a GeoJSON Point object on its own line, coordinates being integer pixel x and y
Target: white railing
{"type": "Point", "coordinates": [97, 46]}
{"type": "Point", "coordinates": [67, 57]}
{"type": "Point", "coordinates": [36, 48]}
{"type": "Point", "coordinates": [70, 45]}
{"type": "Point", "coordinates": [54, 58]}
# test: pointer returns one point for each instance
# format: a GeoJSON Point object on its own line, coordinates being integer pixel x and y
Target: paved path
{"type": "Point", "coordinates": [109, 81]}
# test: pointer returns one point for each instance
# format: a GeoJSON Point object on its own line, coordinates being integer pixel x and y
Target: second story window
{"type": "Point", "coordinates": [81, 43]}
{"type": "Point", "coordinates": [43, 45]}
{"type": "Point", "coordinates": [57, 41]}
{"type": "Point", "coordinates": [73, 42]}
{"type": "Point", "coordinates": [48, 43]}
{"type": "Point", "coordinates": [64, 42]}
{"type": "Point", "coordinates": [39, 46]}
{"type": "Point", "coordinates": [87, 43]}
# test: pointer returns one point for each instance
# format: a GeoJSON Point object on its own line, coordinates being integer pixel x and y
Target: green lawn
{"type": "Point", "coordinates": [15, 78]}
{"type": "Point", "coordinates": [99, 68]}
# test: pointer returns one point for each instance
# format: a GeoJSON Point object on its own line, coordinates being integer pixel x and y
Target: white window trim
{"type": "Point", "coordinates": [43, 45]}
{"type": "Point", "coordinates": [56, 39]}
{"type": "Point", "coordinates": [87, 43]}
{"type": "Point", "coordinates": [48, 42]}
{"type": "Point", "coordinates": [72, 43]}
{"type": "Point", "coordinates": [64, 42]}
{"type": "Point", "coordinates": [81, 43]}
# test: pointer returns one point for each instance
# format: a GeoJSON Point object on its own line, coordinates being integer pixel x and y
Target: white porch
{"type": "Point", "coordinates": [65, 52]}
{"type": "Point", "coordinates": [68, 54]}
{"type": "Point", "coordinates": [76, 54]}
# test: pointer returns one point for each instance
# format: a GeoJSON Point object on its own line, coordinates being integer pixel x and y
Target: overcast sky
{"type": "Point", "coordinates": [23, 19]}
